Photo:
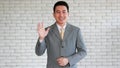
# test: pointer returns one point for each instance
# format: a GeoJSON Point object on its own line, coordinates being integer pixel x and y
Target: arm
{"type": "Point", "coordinates": [40, 47]}
{"type": "Point", "coordinates": [81, 50]}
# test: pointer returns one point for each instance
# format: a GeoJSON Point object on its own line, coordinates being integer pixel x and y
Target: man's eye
{"type": "Point", "coordinates": [57, 11]}
{"type": "Point", "coordinates": [64, 12]}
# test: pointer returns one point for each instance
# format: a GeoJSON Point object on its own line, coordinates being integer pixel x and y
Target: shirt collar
{"type": "Point", "coordinates": [59, 27]}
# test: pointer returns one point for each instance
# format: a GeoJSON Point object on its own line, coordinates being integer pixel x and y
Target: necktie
{"type": "Point", "coordinates": [62, 33]}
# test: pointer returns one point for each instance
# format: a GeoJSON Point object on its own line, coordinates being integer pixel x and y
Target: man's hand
{"type": "Point", "coordinates": [62, 61]}
{"type": "Point", "coordinates": [41, 31]}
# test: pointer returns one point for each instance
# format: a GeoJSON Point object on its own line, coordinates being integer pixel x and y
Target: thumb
{"type": "Point", "coordinates": [47, 30]}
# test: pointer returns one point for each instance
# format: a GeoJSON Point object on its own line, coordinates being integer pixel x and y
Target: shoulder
{"type": "Point", "coordinates": [73, 27]}
{"type": "Point", "coordinates": [51, 26]}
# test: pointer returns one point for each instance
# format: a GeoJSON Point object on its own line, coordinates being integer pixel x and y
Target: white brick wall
{"type": "Point", "coordinates": [99, 21]}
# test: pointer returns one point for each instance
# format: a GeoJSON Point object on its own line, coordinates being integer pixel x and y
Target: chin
{"type": "Point", "coordinates": [61, 22]}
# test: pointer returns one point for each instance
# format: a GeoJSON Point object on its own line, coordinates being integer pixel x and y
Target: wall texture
{"type": "Point", "coordinates": [99, 21]}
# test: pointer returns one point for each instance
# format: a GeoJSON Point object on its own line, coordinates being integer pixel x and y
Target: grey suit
{"type": "Point", "coordinates": [71, 47]}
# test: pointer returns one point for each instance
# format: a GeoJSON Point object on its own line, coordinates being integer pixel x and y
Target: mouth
{"type": "Point", "coordinates": [61, 19]}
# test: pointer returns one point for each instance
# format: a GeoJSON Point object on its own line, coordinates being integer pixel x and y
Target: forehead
{"type": "Point", "coordinates": [60, 7]}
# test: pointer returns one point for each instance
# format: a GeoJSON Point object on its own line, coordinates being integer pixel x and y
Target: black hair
{"type": "Point", "coordinates": [59, 3]}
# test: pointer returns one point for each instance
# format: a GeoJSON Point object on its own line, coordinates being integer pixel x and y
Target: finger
{"type": "Point", "coordinates": [42, 25]}
{"type": "Point", "coordinates": [47, 30]}
{"type": "Point", "coordinates": [60, 63]}
{"type": "Point", "coordinates": [58, 60]}
{"type": "Point", "coordinates": [38, 26]}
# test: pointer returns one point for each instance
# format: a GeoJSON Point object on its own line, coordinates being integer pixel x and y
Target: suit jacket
{"type": "Point", "coordinates": [71, 47]}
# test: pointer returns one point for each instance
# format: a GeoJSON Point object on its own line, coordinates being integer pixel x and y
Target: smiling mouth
{"type": "Point", "coordinates": [61, 19]}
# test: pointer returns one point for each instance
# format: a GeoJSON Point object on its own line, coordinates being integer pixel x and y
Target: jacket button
{"type": "Point", "coordinates": [62, 46]}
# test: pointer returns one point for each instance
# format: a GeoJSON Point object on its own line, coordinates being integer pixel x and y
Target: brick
{"type": "Point", "coordinates": [98, 20]}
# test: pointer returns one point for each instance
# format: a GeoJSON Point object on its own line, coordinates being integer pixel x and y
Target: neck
{"type": "Point", "coordinates": [61, 25]}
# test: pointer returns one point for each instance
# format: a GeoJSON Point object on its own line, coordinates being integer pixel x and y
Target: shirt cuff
{"type": "Point", "coordinates": [40, 41]}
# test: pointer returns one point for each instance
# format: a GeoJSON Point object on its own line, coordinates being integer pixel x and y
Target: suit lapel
{"type": "Point", "coordinates": [67, 31]}
{"type": "Point", "coordinates": [57, 34]}
{"type": "Point", "coordinates": [55, 31]}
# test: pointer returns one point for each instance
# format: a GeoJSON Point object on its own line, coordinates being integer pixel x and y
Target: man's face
{"type": "Point", "coordinates": [61, 14]}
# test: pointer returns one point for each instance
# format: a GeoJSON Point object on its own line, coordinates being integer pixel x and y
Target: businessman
{"type": "Point", "coordinates": [63, 41]}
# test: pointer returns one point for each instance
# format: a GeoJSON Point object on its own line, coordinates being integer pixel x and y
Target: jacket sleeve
{"type": "Point", "coordinates": [81, 50]}
{"type": "Point", "coordinates": [40, 47]}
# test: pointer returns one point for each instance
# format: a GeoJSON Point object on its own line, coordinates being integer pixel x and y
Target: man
{"type": "Point", "coordinates": [64, 48]}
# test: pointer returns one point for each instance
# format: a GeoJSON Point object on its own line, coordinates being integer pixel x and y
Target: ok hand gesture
{"type": "Point", "coordinates": [41, 31]}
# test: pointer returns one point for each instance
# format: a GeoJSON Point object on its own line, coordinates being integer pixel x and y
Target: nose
{"type": "Point", "coordinates": [61, 14]}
